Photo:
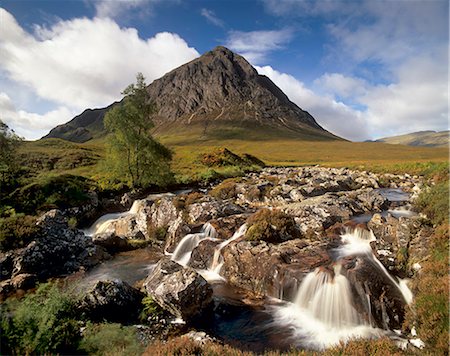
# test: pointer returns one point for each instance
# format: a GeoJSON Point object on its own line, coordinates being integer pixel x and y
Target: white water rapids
{"type": "Point", "coordinates": [322, 314]}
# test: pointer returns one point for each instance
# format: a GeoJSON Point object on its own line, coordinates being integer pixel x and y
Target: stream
{"type": "Point", "coordinates": [321, 314]}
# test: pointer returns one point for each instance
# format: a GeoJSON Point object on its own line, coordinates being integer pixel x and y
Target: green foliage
{"type": "Point", "coordinates": [42, 323]}
{"type": "Point", "coordinates": [8, 161]}
{"type": "Point", "coordinates": [434, 202]}
{"type": "Point", "coordinates": [17, 231]}
{"type": "Point", "coordinates": [272, 226]}
{"type": "Point", "coordinates": [224, 157]}
{"type": "Point", "coordinates": [61, 191]}
{"type": "Point", "coordinates": [150, 309]}
{"type": "Point", "coordinates": [110, 340]}
{"type": "Point", "coordinates": [134, 155]}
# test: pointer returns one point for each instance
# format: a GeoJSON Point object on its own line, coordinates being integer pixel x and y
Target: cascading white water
{"type": "Point", "coordinates": [358, 242]}
{"type": "Point", "coordinates": [183, 251]}
{"type": "Point", "coordinates": [323, 314]}
{"type": "Point", "coordinates": [217, 261]}
{"type": "Point", "coordinates": [328, 298]}
{"type": "Point", "coordinates": [212, 274]}
{"type": "Point", "coordinates": [106, 222]}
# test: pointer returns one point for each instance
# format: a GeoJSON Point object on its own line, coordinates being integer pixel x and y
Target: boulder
{"type": "Point", "coordinates": [262, 267]}
{"type": "Point", "coordinates": [179, 290]}
{"type": "Point", "coordinates": [112, 242]}
{"type": "Point", "coordinates": [58, 250]}
{"type": "Point", "coordinates": [115, 301]}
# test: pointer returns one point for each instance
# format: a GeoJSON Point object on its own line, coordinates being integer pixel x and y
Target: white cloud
{"type": "Point", "coordinates": [115, 8]}
{"type": "Point", "coordinates": [343, 86]}
{"type": "Point", "coordinates": [334, 116]}
{"type": "Point", "coordinates": [85, 63]}
{"type": "Point", "coordinates": [256, 45]}
{"type": "Point", "coordinates": [211, 17]}
{"type": "Point", "coordinates": [394, 55]}
{"type": "Point", "coordinates": [32, 125]}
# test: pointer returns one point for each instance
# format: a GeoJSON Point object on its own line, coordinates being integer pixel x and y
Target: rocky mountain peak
{"type": "Point", "coordinates": [219, 93]}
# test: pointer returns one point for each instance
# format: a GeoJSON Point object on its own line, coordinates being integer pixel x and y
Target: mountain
{"type": "Point", "coordinates": [421, 138]}
{"type": "Point", "coordinates": [218, 95]}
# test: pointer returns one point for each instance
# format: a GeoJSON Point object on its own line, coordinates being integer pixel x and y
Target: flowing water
{"type": "Point", "coordinates": [183, 251]}
{"type": "Point", "coordinates": [212, 274]}
{"type": "Point", "coordinates": [321, 313]}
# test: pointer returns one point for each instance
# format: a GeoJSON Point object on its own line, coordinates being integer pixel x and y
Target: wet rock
{"type": "Point", "coordinates": [23, 281]}
{"type": "Point", "coordinates": [112, 242]}
{"type": "Point", "coordinates": [59, 250]}
{"type": "Point", "coordinates": [258, 266]}
{"type": "Point", "coordinates": [369, 282]}
{"type": "Point", "coordinates": [115, 301]}
{"type": "Point", "coordinates": [202, 256]}
{"type": "Point", "coordinates": [179, 290]}
{"type": "Point", "coordinates": [6, 265]}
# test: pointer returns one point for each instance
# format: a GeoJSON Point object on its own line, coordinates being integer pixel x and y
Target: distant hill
{"type": "Point", "coordinates": [216, 96]}
{"type": "Point", "coordinates": [421, 138]}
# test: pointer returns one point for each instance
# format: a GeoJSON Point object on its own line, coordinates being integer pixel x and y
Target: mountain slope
{"type": "Point", "coordinates": [218, 95]}
{"type": "Point", "coordinates": [421, 138]}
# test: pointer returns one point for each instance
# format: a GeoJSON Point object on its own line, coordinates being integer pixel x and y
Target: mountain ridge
{"type": "Point", "coordinates": [218, 93]}
{"type": "Point", "coordinates": [427, 138]}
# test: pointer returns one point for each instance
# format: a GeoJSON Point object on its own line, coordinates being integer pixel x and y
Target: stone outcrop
{"type": "Point", "coordinates": [115, 301]}
{"type": "Point", "coordinates": [179, 290]}
{"type": "Point", "coordinates": [58, 250]}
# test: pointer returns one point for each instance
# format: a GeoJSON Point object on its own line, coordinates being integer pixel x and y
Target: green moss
{"type": "Point", "coordinates": [225, 190]}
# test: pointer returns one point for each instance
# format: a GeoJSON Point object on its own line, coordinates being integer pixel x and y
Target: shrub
{"type": "Point", "coordinates": [272, 226]}
{"type": "Point", "coordinates": [225, 190]}
{"type": "Point", "coordinates": [379, 347]}
{"type": "Point", "coordinates": [17, 231]}
{"type": "Point", "coordinates": [431, 304]}
{"type": "Point", "coordinates": [61, 192]}
{"type": "Point", "coordinates": [184, 346]}
{"type": "Point", "coordinates": [110, 340]}
{"type": "Point", "coordinates": [42, 323]}
{"type": "Point", "coordinates": [434, 202]}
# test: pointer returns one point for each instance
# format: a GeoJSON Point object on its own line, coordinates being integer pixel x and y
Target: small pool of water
{"type": "Point", "coordinates": [131, 267]}
{"type": "Point", "coordinates": [393, 194]}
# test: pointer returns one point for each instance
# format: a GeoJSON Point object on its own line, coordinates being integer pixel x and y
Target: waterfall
{"type": "Point", "coordinates": [328, 298]}
{"type": "Point", "coordinates": [358, 242]}
{"type": "Point", "coordinates": [217, 261]}
{"type": "Point", "coordinates": [183, 251]}
{"type": "Point", "coordinates": [106, 222]}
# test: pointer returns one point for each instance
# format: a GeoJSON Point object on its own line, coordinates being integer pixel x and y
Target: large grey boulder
{"type": "Point", "coordinates": [58, 250]}
{"type": "Point", "coordinates": [115, 301]}
{"type": "Point", "coordinates": [179, 290]}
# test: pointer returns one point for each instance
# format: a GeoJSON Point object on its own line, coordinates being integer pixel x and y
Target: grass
{"type": "Point", "coordinates": [58, 156]}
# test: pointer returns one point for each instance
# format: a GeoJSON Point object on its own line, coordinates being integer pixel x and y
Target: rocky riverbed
{"type": "Point", "coordinates": [267, 234]}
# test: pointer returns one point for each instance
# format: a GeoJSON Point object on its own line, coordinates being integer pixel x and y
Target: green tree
{"type": "Point", "coordinates": [8, 162]}
{"type": "Point", "coordinates": [134, 156]}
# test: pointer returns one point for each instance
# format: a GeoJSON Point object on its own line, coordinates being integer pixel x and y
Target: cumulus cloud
{"type": "Point", "coordinates": [32, 125]}
{"type": "Point", "coordinates": [256, 45]}
{"type": "Point", "coordinates": [395, 59]}
{"type": "Point", "coordinates": [343, 86]}
{"type": "Point", "coordinates": [84, 63]}
{"type": "Point", "coordinates": [211, 17]}
{"type": "Point", "coordinates": [334, 116]}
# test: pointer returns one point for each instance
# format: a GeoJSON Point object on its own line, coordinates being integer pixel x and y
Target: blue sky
{"type": "Point", "coordinates": [363, 69]}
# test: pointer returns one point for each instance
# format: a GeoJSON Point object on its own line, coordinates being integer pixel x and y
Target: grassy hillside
{"type": "Point", "coordinates": [422, 138]}
{"type": "Point", "coordinates": [61, 156]}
